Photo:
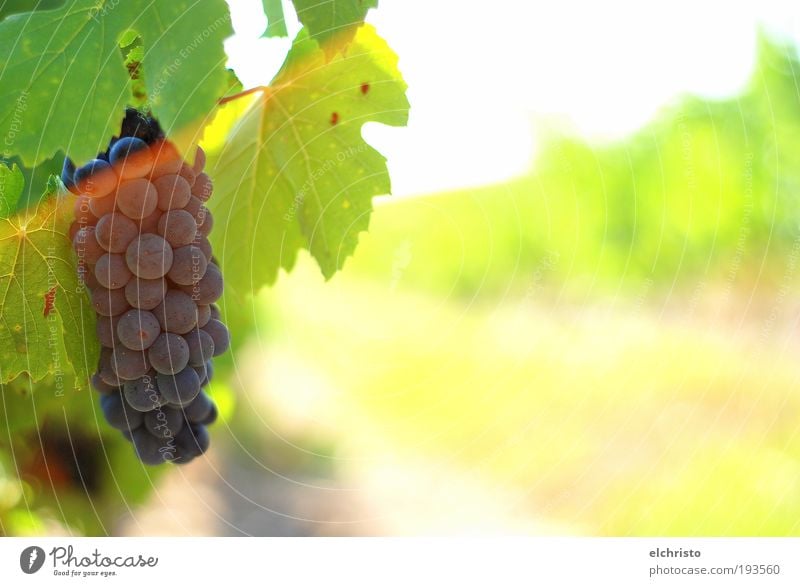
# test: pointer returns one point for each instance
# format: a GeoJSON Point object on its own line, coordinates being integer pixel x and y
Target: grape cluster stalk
{"type": "Point", "coordinates": [141, 236]}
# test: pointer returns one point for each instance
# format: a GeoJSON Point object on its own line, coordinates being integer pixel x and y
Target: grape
{"type": "Point", "coordinates": [164, 422]}
{"type": "Point", "coordinates": [95, 179]}
{"type": "Point", "coordinates": [173, 191]}
{"type": "Point", "coordinates": [86, 274]}
{"type": "Point", "coordinates": [211, 418]}
{"type": "Point", "coordinates": [193, 206]}
{"type": "Point", "coordinates": [202, 373]}
{"type": "Point", "coordinates": [188, 265]}
{"type": "Point", "coordinates": [199, 161]}
{"type": "Point", "coordinates": [177, 313]}
{"type": "Point", "coordinates": [169, 354]}
{"type": "Point", "coordinates": [114, 232]}
{"type": "Point", "coordinates": [104, 369]}
{"type": "Point", "coordinates": [187, 173]}
{"type": "Point", "coordinates": [179, 389]}
{"type": "Point", "coordinates": [141, 126]}
{"type": "Point", "coordinates": [167, 159]}
{"type": "Point", "coordinates": [202, 187]}
{"type": "Point", "coordinates": [145, 293]}
{"type": "Point", "coordinates": [131, 157]}
{"type": "Point", "coordinates": [150, 449]}
{"type": "Point", "coordinates": [193, 441]}
{"type": "Point", "coordinates": [150, 223]}
{"type": "Point", "coordinates": [201, 347]}
{"type": "Point", "coordinates": [118, 414]}
{"type": "Point", "coordinates": [219, 333]}
{"type": "Point", "coordinates": [203, 244]}
{"type": "Point", "coordinates": [102, 386]}
{"type": "Point", "coordinates": [178, 227]}
{"type": "Point", "coordinates": [111, 271]}
{"type": "Point", "coordinates": [203, 315]}
{"type": "Point", "coordinates": [143, 394]}
{"type": "Point", "coordinates": [149, 256]}
{"type": "Point", "coordinates": [83, 213]}
{"type": "Point", "coordinates": [109, 302]}
{"type": "Point", "coordinates": [208, 289]}
{"type": "Point", "coordinates": [107, 331]}
{"type": "Point", "coordinates": [129, 364]}
{"type": "Point", "coordinates": [215, 314]}
{"type": "Point", "coordinates": [137, 198]}
{"type": "Point", "coordinates": [138, 329]}
{"type": "Point", "coordinates": [101, 206]}
{"type": "Point", "coordinates": [205, 221]}
{"type": "Point", "coordinates": [86, 245]}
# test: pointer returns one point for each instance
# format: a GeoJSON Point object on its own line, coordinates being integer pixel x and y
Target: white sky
{"type": "Point", "coordinates": [481, 73]}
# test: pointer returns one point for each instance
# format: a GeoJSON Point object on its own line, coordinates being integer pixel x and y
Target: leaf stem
{"type": "Point", "coordinates": [226, 99]}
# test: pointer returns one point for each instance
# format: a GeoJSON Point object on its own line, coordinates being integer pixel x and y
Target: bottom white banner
{"type": "Point", "coordinates": [119, 561]}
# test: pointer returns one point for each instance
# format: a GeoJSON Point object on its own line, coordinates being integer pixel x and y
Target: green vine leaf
{"type": "Point", "coordinates": [63, 80]}
{"type": "Point", "coordinates": [46, 320]}
{"type": "Point", "coordinates": [295, 172]}
{"type": "Point", "coordinates": [276, 25]}
{"type": "Point", "coordinates": [333, 23]}
{"type": "Point", "coordinates": [12, 184]}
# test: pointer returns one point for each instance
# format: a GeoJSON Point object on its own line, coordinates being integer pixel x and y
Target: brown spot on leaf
{"type": "Point", "coordinates": [334, 118]}
{"type": "Point", "coordinates": [49, 301]}
{"type": "Point", "coordinates": [364, 88]}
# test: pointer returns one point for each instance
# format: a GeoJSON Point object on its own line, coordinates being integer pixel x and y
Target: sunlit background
{"type": "Point", "coordinates": [577, 315]}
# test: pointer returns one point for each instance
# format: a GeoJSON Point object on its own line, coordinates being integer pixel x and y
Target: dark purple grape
{"type": "Point", "coordinates": [86, 245]}
{"type": "Point", "coordinates": [201, 347]}
{"type": "Point", "coordinates": [131, 157]}
{"type": "Point", "coordinates": [112, 271]}
{"type": "Point", "coordinates": [208, 289]}
{"type": "Point", "coordinates": [114, 232]}
{"type": "Point", "coordinates": [177, 227]}
{"type": "Point", "coordinates": [203, 315]}
{"type": "Point", "coordinates": [173, 192]}
{"type": "Point", "coordinates": [169, 353]}
{"type": "Point", "coordinates": [199, 409]}
{"type": "Point", "coordinates": [95, 179]}
{"type": "Point", "coordinates": [109, 302]}
{"type": "Point", "coordinates": [107, 331]}
{"type": "Point", "coordinates": [188, 265]}
{"type": "Point", "coordinates": [202, 187]}
{"type": "Point", "coordinates": [105, 369]}
{"type": "Point", "coordinates": [138, 329]}
{"type": "Point", "coordinates": [143, 394]}
{"type": "Point", "coordinates": [102, 386]}
{"type": "Point", "coordinates": [129, 364]}
{"type": "Point", "coordinates": [149, 256]}
{"type": "Point", "coordinates": [119, 414]}
{"type": "Point", "coordinates": [164, 422]}
{"type": "Point", "coordinates": [137, 198]}
{"type": "Point", "coordinates": [203, 244]}
{"type": "Point", "coordinates": [188, 174]}
{"type": "Point", "coordinates": [179, 389]}
{"type": "Point", "coordinates": [100, 206]}
{"type": "Point", "coordinates": [205, 221]}
{"type": "Point", "coordinates": [150, 449]}
{"type": "Point", "coordinates": [145, 293]}
{"type": "Point", "coordinates": [177, 313]}
{"type": "Point", "coordinates": [219, 333]}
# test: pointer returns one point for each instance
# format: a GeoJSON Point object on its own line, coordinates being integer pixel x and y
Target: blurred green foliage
{"type": "Point", "coordinates": [708, 189]}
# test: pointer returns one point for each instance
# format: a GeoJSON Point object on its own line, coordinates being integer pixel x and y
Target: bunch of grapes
{"type": "Point", "coordinates": [141, 235]}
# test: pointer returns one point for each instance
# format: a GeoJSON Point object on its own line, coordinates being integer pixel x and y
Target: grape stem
{"type": "Point", "coordinates": [226, 99]}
